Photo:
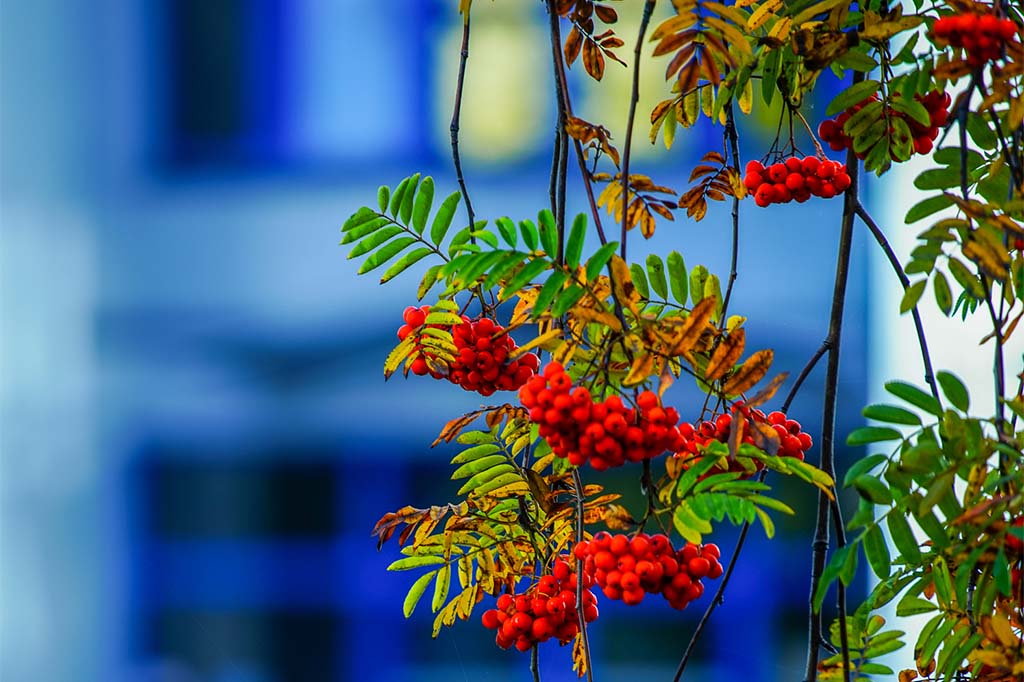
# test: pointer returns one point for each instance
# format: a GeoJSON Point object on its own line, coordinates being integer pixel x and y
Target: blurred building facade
{"type": "Point", "coordinates": [195, 435]}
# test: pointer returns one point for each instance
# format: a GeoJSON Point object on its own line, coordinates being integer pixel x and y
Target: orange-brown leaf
{"type": "Point", "coordinates": [768, 392]}
{"type": "Point", "coordinates": [750, 372]}
{"type": "Point", "coordinates": [729, 350]}
{"type": "Point", "coordinates": [694, 325]}
{"type": "Point", "coordinates": [573, 43]}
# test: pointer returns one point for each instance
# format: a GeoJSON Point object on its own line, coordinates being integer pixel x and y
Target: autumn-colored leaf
{"type": "Point", "coordinates": [750, 372]}
{"type": "Point", "coordinates": [693, 327]}
{"type": "Point", "coordinates": [768, 392]}
{"type": "Point", "coordinates": [729, 350]}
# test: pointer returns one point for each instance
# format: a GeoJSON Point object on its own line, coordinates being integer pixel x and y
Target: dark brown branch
{"type": "Point", "coordinates": [633, 99]}
{"type": "Point", "coordinates": [922, 341]}
{"type": "Point", "coordinates": [828, 425]}
{"type": "Point", "coordinates": [577, 483]}
{"type": "Point", "coordinates": [565, 106]}
{"type": "Point", "coordinates": [716, 601]}
{"type": "Point", "coordinates": [456, 113]}
{"type": "Point", "coordinates": [844, 642]}
{"type": "Point", "coordinates": [734, 148]}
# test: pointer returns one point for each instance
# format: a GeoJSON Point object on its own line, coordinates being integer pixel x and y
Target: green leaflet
{"type": "Point", "coordinates": [954, 390]}
{"type": "Point", "coordinates": [854, 94]}
{"type": "Point", "coordinates": [677, 277]}
{"type": "Point", "coordinates": [912, 295]}
{"type": "Point", "coordinates": [407, 198]}
{"type": "Point", "coordinates": [383, 195]}
{"type": "Point", "coordinates": [421, 204]}
{"type": "Point", "coordinates": [363, 229]}
{"type": "Point", "coordinates": [501, 472]}
{"type": "Point", "coordinates": [406, 563]}
{"type": "Point", "coordinates": [403, 263]}
{"type": "Point", "coordinates": [903, 536]}
{"type": "Point", "coordinates": [599, 260]}
{"type": "Point", "coordinates": [891, 414]}
{"type": "Point", "coordinates": [925, 208]}
{"type": "Point", "coordinates": [507, 230]}
{"type": "Point", "coordinates": [547, 293]}
{"type": "Point", "coordinates": [656, 275]}
{"type": "Point", "coordinates": [872, 434]}
{"type": "Point", "coordinates": [385, 253]}
{"type": "Point", "coordinates": [876, 551]}
{"type": "Point", "coordinates": [524, 276]}
{"type": "Point", "coordinates": [639, 281]}
{"type": "Point", "coordinates": [443, 217]}
{"type": "Point", "coordinates": [374, 240]}
{"type": "Point", "coordinates": [577, 236]}
{"type": "Point", "coordinates": [915, 396]}
{"type": "Point", "coordinates": [415, 592]}
{"type": "Point", "coordinates": [548, 232]}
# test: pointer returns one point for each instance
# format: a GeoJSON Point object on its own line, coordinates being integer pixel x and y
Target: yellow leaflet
{"type": "Point", "coordinates": [762, 14]}
{"type": "Point", "coordinates": [815, 10]}
{"type": "Point", "coordinates": [540, 341]}
{"type": "Point", "coordinates": [780, 31]}
{"type": "Point", "coordinates": [746, 98]}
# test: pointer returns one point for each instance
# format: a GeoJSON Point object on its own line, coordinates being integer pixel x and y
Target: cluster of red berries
{"type": "Point", "coordinates": [607, 433]}
{"type": "Point", "coordinates": [793, 442]}
{"type": "Point", "coordinates": [981, 35]}
{"type": "Point", "coordinates": [936, 103]}
{"type": "Point", "coordinates": [795, 179]}
{"type": "Point", "coordinates": [482, 363]}
{"type": "Point", "coordinates": [627, 569]}
{"type": "Point", "coordinates": [545, 611]}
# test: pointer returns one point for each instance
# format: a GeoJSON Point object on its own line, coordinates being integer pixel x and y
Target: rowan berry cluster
{"type": "Point", "coordinates": [547, 610]}
{"type": "Point", "coordinates": [628, 569]}
{"type": "Point", "coordinates": [793, 442]}
{"type": "Point", "coordinates": [981, 35]}
{"type": "Point", "coordinates": [936, 103]}
{"type": "Point", "coordinates": [795, 179]}
{"type": "Point", "coordinates": [606, 433]}
{"type": "Point", "coordinates": [481, 363]}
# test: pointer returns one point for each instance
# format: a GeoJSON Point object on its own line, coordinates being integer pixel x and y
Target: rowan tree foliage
{"type": "Point", "coordinates": [528, 547]}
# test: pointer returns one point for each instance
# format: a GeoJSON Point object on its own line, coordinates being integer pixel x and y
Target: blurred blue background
{"type": "Point", "coordinates": [196, 438]}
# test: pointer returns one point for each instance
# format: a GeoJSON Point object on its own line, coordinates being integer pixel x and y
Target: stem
{"type": "Point", "coordinates": [577, 483]}
{"type": "Point", "coordinates": [633, 99]}
{"type": "Point", "coordinates": [999, 372]}
{"type": "Point", "coordinates": [563, 158]}
{"type": "Point", "coordinates": [822, 349]}
{"type": "Point", "coordinates": [456, 113]}
{"type": "Point", "coordinates": [734, 149]}
{"type": "Point", "coordinates": [714, 602]}
{"type": "Point", "coordinates": [565, 105]}
{"type": "Point", "coordinates": [828, 426]}
{"type": "Point", "coordinates": [535, 664]}
{"type": "Point", "coordinates": [929, 374]}
{"type": "Point", "coordinates": [837, 519]}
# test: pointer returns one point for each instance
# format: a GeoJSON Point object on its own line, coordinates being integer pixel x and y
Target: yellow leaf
{"type": "Point", "coordinates": [622, 285]}
{"type": "Point", "coordinates": [1002, 630]}
{"type": "Point", "coordinates": [762, 14]}
{"type": "Point", "coordinates": [538, 342]}
{"type": "Point", "coordinates": [749, 373]}
{"type": "Point", "coordinates": [780, 31]}
{"type": "Point", "coordinates": [693, 326]}
{"type": "Point", "coordinates": [640, 370]}
{"type": "Point", "coordinates": [398, 355]}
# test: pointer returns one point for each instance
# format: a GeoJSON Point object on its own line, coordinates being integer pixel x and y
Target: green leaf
{"type": "Point", "coordinates": [1001, 573]}
{"type": "Point", "coordinates": [871, 488]}
{"type": "Point", "coordinates": [529, 232]}
{"type": "Point", "coordinates": [943, 295]}
{"type": "Point", "coordinates": [475, 466]}
{"type": "Point", "coordinates": [577, 236]}
{"type": "Point", "coordinates": [398, 195]}
{"type": "Point", "coordinates": [981, 132]}
{"type": "Point", "coordinates": [933, 528]}
{"type": "Point", "coordinates": [872, 434]}
{"type": "Point", "coordinates": [912, 605]}
{"type": "Point", "coordinates": [967, 279]}
{"type": "Point", "coordinates": [524, 277]}
{"type": "Point", "coordinates": [416, 591]}
{"type": "Point", "coordinates": [855, 94]}
{"type": "Point", "coordinates": [498, 482]}
{"type": "Point", "coordinates": [954, 390]}
{"type": "Point", "coordinates": [443, 217]}
{"type": "Point", "coordinates": [688, 524]}
{"type": "Point", "coordinates": [829, 575]}
{"type": "Point", "coordinates": [876, 551]}
{"type": "Point", "coordinates": [856, 61]}
{"type": "Point", "coordinates": [406, 563]}
{"type": "Point", "coordinates": [477, 451]}
{"type": "Point", "coordinates": [548, 291]}
{"type": "Point", "coordinates": [363, 229]}
{"type": "Point", "coordinates": [477, 483]}
{"type": "Point", "coordinates": [912, 108]}
{"type": "Point", "coordinates": [938, 178]}
{"type": "Point", "coordinates": [383, 194]}
{"type": "Point", "coordinates": [428, 281]}
{"type": "Point", "coordinates": [600, 259]}
{"type": "Point", "coordinates": [374, 240]}
{"type": "Point", "coordinates": [862, 466]}
{"type": "Point", "coordinates": [677, 278]}
{"type": "Point", "coordinates": [548, 232]}
{"type": "Point", "coordinates": [385, 253]}
{"type": "Point", "coordinates": [698, 277]}
{"type": "Point", "coordinates": [507, 229]}
{"type": "Point", "coordinates": [500, 271]}
{"type": "Point", "coordinates": [903, 536]}
{"type": "Point", "coordinates": [915, 396]}
{"type": "Point", "coordinates": [656, 275]}
{"type": "Point", "coordinates": [567, 300]}
{"type": "Point", "coordinates": [407, 198]}
{"type": "Point", "coordinates": [421, 205]}
{"type": "Point", "coordinates": [441, 587]}
{"type": "Point", "coordinates": [911, 295]}
{"type": "Point", "coordinates": [943, 582]}
{"type": "Point", "coordinates": [937, 489]}
{"type": "Point", "coordinates": [403, 263]}
{"type": "Point", "coordinates": [361, 216]}
{"type": "Point", "coordinates": [891, 415]}
{"type": "Point", "coordinates": [769, 75]}
{"type": "Point", "coordinates": [639, 281]}
{"type": "Point", "coordinates": [848, 570]}
{"type": "Point", "coordinates": [926, 207]}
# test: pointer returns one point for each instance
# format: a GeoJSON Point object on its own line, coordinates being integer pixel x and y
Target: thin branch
{"type": "Point", "coordinates": [844, 642]}
{"type": "Point", "coordinates": [825, 346]}
{"type": "Point", "coordinates": [456, 113]}
{"type": "Point", "coordinates": [714, 602]}
{"type": "Point", "coordinates": [565, 105]}
{"type": "Point", "coordinates": [828, 426]}
{"type": "Point", "coordinates": [577, 483]}
{"type": "Point", "coordinates": [535, 664]}
{"type": "Point", "coordinates": [929, 374]}
{"type": "Point", "coordinates": [563, 158]}
{"type": "Point", "coordinates": [633, 99]}
{"type": "Point", "coordinates": [734, 149]}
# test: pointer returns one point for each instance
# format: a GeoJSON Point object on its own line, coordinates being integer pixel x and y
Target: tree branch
{"type": "Point", "coordinates": [633, 99]}
{"type": "Point", "coordinates": [577, 483]}
{"type": "Point", "coordinates": [456, 113]}
{"type": "Point", "coordinates": [734, 148]}
{"type": "Point", "coordinates": [929, 374]}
